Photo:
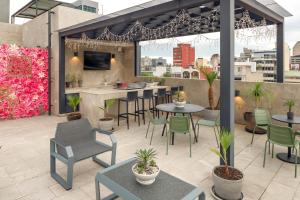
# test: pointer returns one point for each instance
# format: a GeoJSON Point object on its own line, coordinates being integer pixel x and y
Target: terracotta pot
{"type": "Point", "coordinates": [227, 189]}
{"type": "Point", "coordinates": [73, 116]}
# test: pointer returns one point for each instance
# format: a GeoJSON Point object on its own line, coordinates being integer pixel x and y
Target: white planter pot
{"type": "Point", "coordinates": [106, 123]}
{"type": "Point", "coordinates": [179, 104]}
{"type": "Point", "coordinates": [144, 179]}
{"type": "Point", "coordinates": [227, 189]}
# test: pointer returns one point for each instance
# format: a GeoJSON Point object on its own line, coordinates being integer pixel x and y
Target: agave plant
{"type": "Point", "coordinates": [180, 96]}
{"type": "Point", "coordinates": [225, 139]}
{"type": "Point", "coordinates": [145, 159]}
{"type": "Point", "coordinates": [210, 76]}
{"type": "Point", "coordinates": [73, 102]}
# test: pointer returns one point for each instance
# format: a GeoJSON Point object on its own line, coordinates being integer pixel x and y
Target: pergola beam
{"type": "Point", "coordinates": [280, 53]}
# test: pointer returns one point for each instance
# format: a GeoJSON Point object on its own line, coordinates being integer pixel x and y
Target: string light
{"type": "Point", "coordinates": [181, 23]}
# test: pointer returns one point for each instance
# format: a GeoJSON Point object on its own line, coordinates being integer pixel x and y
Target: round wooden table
{"type": "Point", "coordinates": [287, 157]}
{"type": "Point", "coordinates": [188, 109]}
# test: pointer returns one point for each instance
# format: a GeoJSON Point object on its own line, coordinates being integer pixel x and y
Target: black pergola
{"type": "Point", "coordinates": [156, 13]}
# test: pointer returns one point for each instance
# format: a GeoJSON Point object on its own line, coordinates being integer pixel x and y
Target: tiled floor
{"type": "Point", "coordinates": [24, 162]}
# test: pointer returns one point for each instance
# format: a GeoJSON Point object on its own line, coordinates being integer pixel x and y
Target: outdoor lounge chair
{"type": "Point", "coordinates": [75, 141]}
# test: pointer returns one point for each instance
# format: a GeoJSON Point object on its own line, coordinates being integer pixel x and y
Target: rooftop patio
{"type": "Point", "coordinates": [24, 166]}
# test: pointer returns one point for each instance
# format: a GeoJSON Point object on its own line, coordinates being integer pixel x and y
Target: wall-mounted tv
{"type": "Point", "coordinates": [94, 60]}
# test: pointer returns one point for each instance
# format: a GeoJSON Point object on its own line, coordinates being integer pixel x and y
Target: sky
{"type": "Point", "coordinates": [204, 49]}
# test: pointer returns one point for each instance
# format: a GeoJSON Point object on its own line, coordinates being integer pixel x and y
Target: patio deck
{"type": "Point", "coordinates": [24, 162]}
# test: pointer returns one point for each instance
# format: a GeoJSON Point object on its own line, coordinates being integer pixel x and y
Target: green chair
{"type": "Point", "coordinates": [282, 136]}
{"type": "Point", "coordinates": [155, 122]}
{"type": "Point", "coordinates": [210, 119]}
{"type": "Point", "coordinates": [179, 124]}
{"type": "Point", "coordinates": [262, 120]}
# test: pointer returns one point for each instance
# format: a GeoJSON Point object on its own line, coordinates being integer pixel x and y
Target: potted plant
{"type": "Point", "coordinates": [210, 76]}
{"type": "Point", "coordinates": [290, 103]}
{"type": "Point", "coordinates": [73, 102]}
{"type": "Point", "coordinates": [107, 122]}
{"type": "Point", "coordinates": [257, 93]}
{"type": "Point", "coordinates": [73, 81]}
{"type": "Point", "coordinates": [145, 169]}
{"type": "Point", "coordinates": [179, 99]}
{"type": "Point", "coordinates": [68, 80]}
{"type": "Point", "coordinates": [79, 80]}
{"type": "Point", "coordinates": [228, 181]}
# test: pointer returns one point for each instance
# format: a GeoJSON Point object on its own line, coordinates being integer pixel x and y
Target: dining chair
{"type": "Point", "coordinates": [181, 125]}
{"type": "Point", "coordinates": [155, 121]}
{"type": "Point", "coordinates": [262, 120]}
{"type": "Point", "coordinates": [282, 136]}
{"type": "Point", "coordinates": [210, 119]}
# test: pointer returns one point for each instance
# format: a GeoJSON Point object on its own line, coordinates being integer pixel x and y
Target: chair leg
{"type": "Point", "coordinates": [272, 150]}
{"type": "Point", "coordinates": [147, 129]}
{"type": "Point", "coordinates": [138, 111]}
{"type": "Point", "coordinates": [127, 114]}
{"type": "Point", "coordinates": [167, 142]}
{"type": "Point", "coordinates": [152, 134]}
{"type": "Point", "coordinates": [198, 130]}
{"type": "Point", "coordinates": [135, 111]}
{"type": "Point", "coordinates": [190, 145]}
{"type": "Point", "coordinates": [269, 148]}
{"type": "Point", "coordinates": [265, 152]}
{"type": "Point", "coordinates": [296, 162]}
{"type": "Point", "coordinates": [253, 135]}
{"type": "Point", "coordinates": [143, 110]}
{"type": "Point", "coordinates": [216, 137]}
{"type": "Point", "coordinates": [119, 112]}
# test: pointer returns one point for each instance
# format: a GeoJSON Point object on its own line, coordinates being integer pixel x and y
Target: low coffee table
{"type": "Point", "coordinates": [120, 180]}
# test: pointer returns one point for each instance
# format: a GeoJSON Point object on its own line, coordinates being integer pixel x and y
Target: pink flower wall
{"type": "Point", "coordinates": [23, 81]}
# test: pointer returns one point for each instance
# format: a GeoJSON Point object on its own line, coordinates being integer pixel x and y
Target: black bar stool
{"type": "Point", "coordinates": [147, 95]}
{"type": "Point", "coordinates": [131, 97]}
{"type": "Point", "coordinates": [171, 93]}
{"type": "Point", "coordinates": [160, 97]}
{"type": "Point", "coordinates": [180, 87]}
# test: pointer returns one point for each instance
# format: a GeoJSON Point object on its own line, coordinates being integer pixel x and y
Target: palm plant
{"type": "Point", "coordinates": [257, 92]}
{"type": "Point", "coordinates": [210, 76]}
{"type": "Point", "coordinates": [225, 139]}
{"type": "Point", "coordinates": [145, 159]}
{"type": "Point", "coordinates": [290, 103]}
{"type": "Point", "coordinates": [73, 102]}
{"type": "Point", "coordinates": [108, 104]}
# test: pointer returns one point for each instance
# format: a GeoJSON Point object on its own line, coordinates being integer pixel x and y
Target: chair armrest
{"type": "Point", "coordinates": [102, 131]}
{"type": "Point", "coordinates": [297, 133]}
{"type": "Point", "coordinates": [68, 149]}
{"type": "Point", "coordinates": [110, 134]}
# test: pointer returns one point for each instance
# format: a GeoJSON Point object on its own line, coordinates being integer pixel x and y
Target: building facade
{"type": "Point", "coordinates": [296, 49]}
{"type": "Point", "coordinates": [295, 63]}
{"type": "Point", "coordinates": [184, 55]}
{"type": "Point", "coordinates": [87, 5]}
{"type": "Point", "coordinates": [4, 11]}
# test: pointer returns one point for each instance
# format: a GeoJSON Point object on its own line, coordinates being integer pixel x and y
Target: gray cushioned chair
{"type": "Point", "coordinates": [75, 141]}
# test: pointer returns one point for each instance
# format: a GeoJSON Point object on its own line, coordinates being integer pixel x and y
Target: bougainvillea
{"type": "Point", "coordinates": [23, 81]}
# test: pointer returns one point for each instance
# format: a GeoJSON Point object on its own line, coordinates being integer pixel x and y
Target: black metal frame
{"type": "Point", "coordinates": [227, 8]}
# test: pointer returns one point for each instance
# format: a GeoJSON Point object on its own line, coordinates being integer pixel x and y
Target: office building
{"type": "Point", "coordinates": [184, 55]}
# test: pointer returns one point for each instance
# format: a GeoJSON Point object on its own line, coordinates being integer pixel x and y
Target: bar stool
{"type": "Point", "coordinates": [131, 97]}
{"type": "Point", "coordinates": [171, 93]}
{"type": "Point", "coordinates": [160, 97]}
{"type": "Point", "coordinates": [180, 88]}
{"type": "Point", "coordinates": [147, 95]}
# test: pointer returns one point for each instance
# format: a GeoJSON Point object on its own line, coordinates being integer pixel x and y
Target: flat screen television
{"type": "Point", "coordinates": [94, 60]}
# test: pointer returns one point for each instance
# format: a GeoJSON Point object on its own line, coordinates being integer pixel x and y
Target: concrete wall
{"type": "Point", "coordinates": [121, 67]}
{"type": "Point", "coordinates": [4, 11]}
{"type": "Point", "coordinates": [10, 33]}
{"type": "Point", "coordinates": [197, 92]}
